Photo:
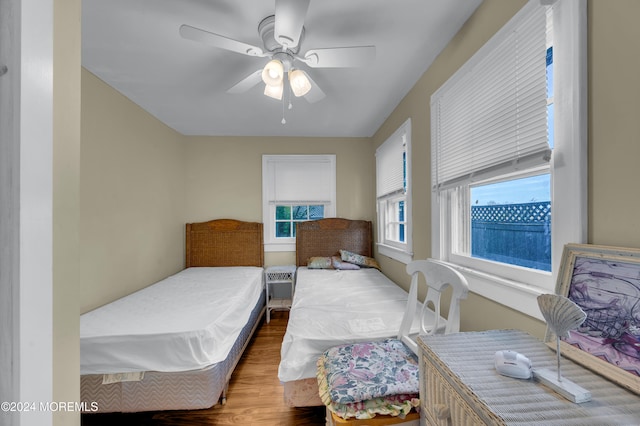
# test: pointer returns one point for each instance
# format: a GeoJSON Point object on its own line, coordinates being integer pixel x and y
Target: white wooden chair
{"type": "Point", "coordinates": [438, 277]}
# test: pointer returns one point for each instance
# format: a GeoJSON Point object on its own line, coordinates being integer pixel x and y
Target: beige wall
{"type": "Point", "coordinates": [614, 123]}
{"type": "Point", "coordinates": [132, 203]}
{"type": "Point", "coordinates": [66, 213]}
{"type": "Point", "coordinates": [224, 177]}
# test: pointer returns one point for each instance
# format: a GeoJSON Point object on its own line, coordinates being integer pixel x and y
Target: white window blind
{"type": "Point", "coordinates": [490, 116]}
{"type": "Point", "coordinates": [390, 163]}
{"type": "Point", "coordinates": [300, 178]}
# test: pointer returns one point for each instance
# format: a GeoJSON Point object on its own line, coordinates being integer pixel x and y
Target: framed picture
{"type": "Point", "coordinates": [605, 283]}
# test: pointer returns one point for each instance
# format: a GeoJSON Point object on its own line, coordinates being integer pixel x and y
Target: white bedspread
{"type": "Point", "coordinates": [184, 322]}
{"type": "Point", "coordinates": [332, 307]}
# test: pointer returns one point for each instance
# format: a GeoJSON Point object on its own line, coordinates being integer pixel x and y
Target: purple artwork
{"type": "Point", "coordinates": [608, 291]}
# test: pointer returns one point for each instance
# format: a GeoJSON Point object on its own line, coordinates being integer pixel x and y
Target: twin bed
{"type": "Point", "coordinates": [174, 345]}
{"type": "Point", "coordinates": [334, 306]}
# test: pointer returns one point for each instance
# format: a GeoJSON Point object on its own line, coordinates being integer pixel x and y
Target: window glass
{"type": "Point", "coordinates": [401, 224]}
{"type": "Point", "coordinates": [511, 221]}
{"type": "Point", "coordinates": [288, 215]}
{"type": "Point", "coordinates": [283, 212]}
{"type": "Point", "coordinates": [395, 222]}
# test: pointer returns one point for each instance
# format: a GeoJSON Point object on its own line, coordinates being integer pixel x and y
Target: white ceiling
{"type": "Point", "coordinates": [134, 46]}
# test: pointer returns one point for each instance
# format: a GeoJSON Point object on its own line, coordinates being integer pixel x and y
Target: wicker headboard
{"type": "Point", "coordinates": [224, 242]}
{"type": "Point", "coordinates": [325, 237]}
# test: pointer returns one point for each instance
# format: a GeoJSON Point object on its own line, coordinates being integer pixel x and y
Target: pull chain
{"type": "Point", "coordinates": [290, 106]}
{"type": "Point", "coordinates": [283, 120]}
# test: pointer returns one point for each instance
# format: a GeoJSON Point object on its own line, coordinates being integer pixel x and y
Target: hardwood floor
{"type": "Point", "coordinates": [255, 396]}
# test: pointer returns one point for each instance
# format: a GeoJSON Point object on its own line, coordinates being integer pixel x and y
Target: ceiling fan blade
{"type": "Point", "coordinates": [290, 16]}
{"type": "Point", "coordinates": [246, 83]}
{"type": "Point", "coordinates": [340, 57]}
{"type": "Point", "coordinates": [216, 40]}
{"type": "Point", "coordinates": [315, 94]}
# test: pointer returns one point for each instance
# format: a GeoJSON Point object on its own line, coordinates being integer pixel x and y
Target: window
{"type": "Point", "coordinates": [295, 188]}
{"type": "Point", "coordinates": [511, 218]}
{"type": "Point", "coordinates": [287, 216]}
{"type": "Point", "coordinates": [509, 155]}
{"type": "Point", "coordinates": [394, 196]}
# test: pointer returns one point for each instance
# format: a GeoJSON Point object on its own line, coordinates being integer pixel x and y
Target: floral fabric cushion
{"type": "Point", "coordinates": [394, 405]}
{"type": "Point", "coordinates": [319, 263]}
{"type": "Point", "coordinates": [358, 259]}
{"type": "Point", "coordinates": [364, 371]}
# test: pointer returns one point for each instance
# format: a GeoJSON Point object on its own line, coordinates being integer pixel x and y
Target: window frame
{"type": "Point", "coordinates": [568, 167]}
{"type": "Point", "coordinates": [269, 201]}
{"type": "Point", "coordinates": [402, 252]}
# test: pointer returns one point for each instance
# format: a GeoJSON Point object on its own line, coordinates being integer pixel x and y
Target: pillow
{"type": "Point", "coordinates": [337, 263]}
{"type": "Point", "coordinates": [319, 263]}
{"type": "Point", "coordinates": [358, 259]}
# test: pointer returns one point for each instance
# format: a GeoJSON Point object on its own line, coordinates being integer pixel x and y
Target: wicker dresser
{"type": "Point", "coordinates": [460, 386]}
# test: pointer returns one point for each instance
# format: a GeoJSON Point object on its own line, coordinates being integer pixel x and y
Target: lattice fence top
{"type": "Point", "coordinates": [539, 212]}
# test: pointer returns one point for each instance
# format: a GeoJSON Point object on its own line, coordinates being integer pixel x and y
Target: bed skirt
{"type": "Point", "coordinates": [186, 390]}
{"type": "Point", "coordinates": [302, 393]}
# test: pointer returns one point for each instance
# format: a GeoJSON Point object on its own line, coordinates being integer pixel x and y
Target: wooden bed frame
{"type": "Point", "coordinates": [224, 242]}
{"type": "Point", "coordinates": [221, 242]}
{"type": "Point", "coordinates": [325, 237]}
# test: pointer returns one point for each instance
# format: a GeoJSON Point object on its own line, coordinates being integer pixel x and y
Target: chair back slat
{"type": "Point", "coordinates": [438, 277]}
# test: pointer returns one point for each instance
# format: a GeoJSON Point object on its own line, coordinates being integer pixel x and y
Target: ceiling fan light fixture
{"type": "Point", "coordinates": [274, 92]}
{"type": "Point", "coordinates": [273, 73]}
{"type": "Point", "coordinates": [300, 84]}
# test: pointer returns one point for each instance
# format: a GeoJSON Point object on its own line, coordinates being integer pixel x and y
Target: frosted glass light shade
{"type": "Point", "coordinates": [274, 92]}
{"type": "Point", "coordinates": [300, 84]}
{"type": "Point", "coordinates": [273, 73]}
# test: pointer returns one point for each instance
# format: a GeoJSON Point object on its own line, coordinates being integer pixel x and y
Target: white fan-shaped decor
{"type": "Point", "coordinates": [562, 315]}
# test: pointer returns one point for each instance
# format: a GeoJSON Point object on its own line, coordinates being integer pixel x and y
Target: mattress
{"type": "Point", "coordinates": [187, 321]}
{"type": "Point", "coordinates": [186, 390]}
{"type": "Point", "coordinates": [333, 307]}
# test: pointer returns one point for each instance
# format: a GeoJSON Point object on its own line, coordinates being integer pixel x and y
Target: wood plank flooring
{"type": "Point", "coordinates": [255, 396]}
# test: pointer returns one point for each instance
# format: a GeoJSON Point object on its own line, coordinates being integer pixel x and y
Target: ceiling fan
{"type": "Point", "coordinates": [282, 34]}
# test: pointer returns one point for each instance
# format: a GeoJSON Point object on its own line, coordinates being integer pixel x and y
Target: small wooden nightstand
{"type": "Point", "coordinates": [274, 277]}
